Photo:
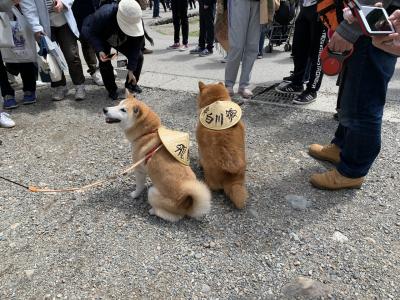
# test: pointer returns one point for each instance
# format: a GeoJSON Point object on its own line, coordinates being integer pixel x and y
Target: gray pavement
{"type": "Point", "coordinates": [290, 241]}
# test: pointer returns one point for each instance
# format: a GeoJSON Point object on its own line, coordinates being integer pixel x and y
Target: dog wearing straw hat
{"type": "Point", "coordinates": [221, 140]}
{"type": "Point", "coordinates": [176, 192]}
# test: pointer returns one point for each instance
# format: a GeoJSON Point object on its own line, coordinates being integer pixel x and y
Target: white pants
{"type": "Point", "coordinates": [244, 36]}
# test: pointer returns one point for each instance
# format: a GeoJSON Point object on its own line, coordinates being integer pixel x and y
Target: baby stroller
{"type": "Point", "coordinates": [282, 27]}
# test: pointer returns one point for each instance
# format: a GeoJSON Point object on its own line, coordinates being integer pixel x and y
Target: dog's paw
{"type": "Point", "coordinates": [135, 194]}
{"type": "Point", "coordinates": [152, 211]}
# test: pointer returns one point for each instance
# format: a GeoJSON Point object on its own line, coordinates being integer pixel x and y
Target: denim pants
{"type": "Point", "coordinates": [206, 36]}
{"type": "Point", "coordinates": [363, 97]}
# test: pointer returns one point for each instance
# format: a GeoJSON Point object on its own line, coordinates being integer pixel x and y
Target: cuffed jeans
{"type": "Point", "coordinates": [69, 47]}
{"type": "Point", "coordinates": [244, 37]}
{"type": "Point", "coordinates": [363, 97]}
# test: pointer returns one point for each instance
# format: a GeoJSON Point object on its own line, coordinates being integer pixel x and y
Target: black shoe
{"type": "Point", "coordinates": [117, 95]}
{"type": "Point", "coordinates": [305, 97]}
{"type": "Point", "coordinates": [289, 78]}
{"type": "Point", "coordinates": [290, 89]}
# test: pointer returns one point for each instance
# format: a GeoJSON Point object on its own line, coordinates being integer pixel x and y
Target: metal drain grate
{"type": "Point", "coordinates": [269, 94]}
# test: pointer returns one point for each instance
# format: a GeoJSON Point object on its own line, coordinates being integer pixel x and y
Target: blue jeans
{"type": "Point", "coordinates": [156, 8]}
{"type": "Point", "coordinates": [365, 82]}
{"type": "Point", "coordinates": [263, 33]}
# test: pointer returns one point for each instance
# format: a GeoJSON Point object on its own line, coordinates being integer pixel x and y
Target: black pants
{"type": "Point", "coordinates": [206, 36]}
{"type": "Point", "coordinates": [180, 18]}
{"type": "Point", "coordinates": [107, 70]}
{"type": "Point", "coordinates": [309, 40]}
{"type": "Point", "coordinates": [28, 73]}
{"type": "Point", "coordinates": [69, 47]}
{"type": "Point", "coordinates": [90, 56]}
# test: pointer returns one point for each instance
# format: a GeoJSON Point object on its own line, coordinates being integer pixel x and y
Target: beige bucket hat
{"type": "Point", "coordinates": [129, 18]}
{"type": "Point", "coordinates": [220, 115]}
{"type": "Point", "coordinates": [177, 143]}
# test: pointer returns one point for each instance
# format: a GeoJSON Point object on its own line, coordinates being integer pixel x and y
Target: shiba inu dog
{"type": "Point", "coordinates": [221, 142]}
{"type": "Point", "coordinates": [175, 192]}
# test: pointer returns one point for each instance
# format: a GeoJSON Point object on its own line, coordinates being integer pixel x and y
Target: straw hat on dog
{"type": "Point", "coordinates": [177, 144]}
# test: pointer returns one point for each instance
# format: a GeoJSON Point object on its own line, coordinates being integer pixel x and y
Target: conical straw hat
{"type": "Point", "coordinates": [177, 143]}
{"type": "Point", "coordinates": [220, 115]}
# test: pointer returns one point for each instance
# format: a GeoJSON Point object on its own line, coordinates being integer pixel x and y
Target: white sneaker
{"type": "Point", "coordinates": [5, 120]}
{"type": "Point", "coordinates": [59, 93]}
{"type": "Point", "coordinates": [96, 76]}
{"type": "Point", "coordinates": [80, 93]}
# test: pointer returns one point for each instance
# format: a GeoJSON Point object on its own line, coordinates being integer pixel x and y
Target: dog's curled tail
{"type": "Point", "coordinates": [197, 199]}
{"type": "Point", "coordinates": [237, 193]}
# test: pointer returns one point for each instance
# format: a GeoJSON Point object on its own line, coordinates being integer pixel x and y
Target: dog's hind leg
{"type": "Point", "coordinates": [158, 206]}
{"type": "Point", "coordinates": [140, 176]}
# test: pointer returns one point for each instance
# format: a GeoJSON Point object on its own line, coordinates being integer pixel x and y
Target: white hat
{"type": "Point", "coordinates": [129, 18]}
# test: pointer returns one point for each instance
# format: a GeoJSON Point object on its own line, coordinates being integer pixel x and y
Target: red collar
{"type": "Point", "coordinates": [150, 154]}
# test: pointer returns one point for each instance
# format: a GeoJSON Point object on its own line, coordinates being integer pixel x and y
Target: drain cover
{"type": "Point", "coordinates": [269, 94]}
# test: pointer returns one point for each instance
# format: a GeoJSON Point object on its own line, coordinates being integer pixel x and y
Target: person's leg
{"type": "Point", "coordinates": [301, 44]}
{"type": "Point", "coordinates": [251, 46]}
{"type": "Point", "coordinates": [184, 21]}
{"type": "Point", "coordinates": [156, 9]}
{"type": "Point", "coordinates": [209, 26]}
{"type": "Point", "coordinates": [369, 71]}
{"type": "Point", "coordinates": [69, 46]}
{"type": "Point", "coordinates": [263, 30]}
{"type": "Point", "coordinates": [164, 6]}
{"type": "Point", "coordinates": [55, 35]}
{"type": "Point", "coordinates": [238, 19]}
{"type": "Point", "coordinates": [318, 42]}
{"type": "Point", "coordinates": [203, 30]}
{"type": "Point", "coordinates": [6, 89]}
{"type": "Point", "coordinates": [28, 75]}
{"type": "Point", "coordinates": [176, 20]}
{"type": "Point", "coordinates": [107, 73]}
{"type": "Point", "coordinates": [90, 56]}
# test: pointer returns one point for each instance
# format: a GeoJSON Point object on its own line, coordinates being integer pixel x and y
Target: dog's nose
{"type": "Point", "coordinates": [105, 110]}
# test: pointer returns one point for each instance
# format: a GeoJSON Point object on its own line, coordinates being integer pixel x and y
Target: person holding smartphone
{"type": "Point", "coordinates": [357, 140]}
{"type": "Point", "coordinates": [118, 26]}
{"type": "Point", "coordinates": [390, 43]}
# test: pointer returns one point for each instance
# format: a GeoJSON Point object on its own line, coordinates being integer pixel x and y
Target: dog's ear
{"type": "Point", "coordinates": [201, 86]}
{"type": "Point", "coordinates": [221, 83]}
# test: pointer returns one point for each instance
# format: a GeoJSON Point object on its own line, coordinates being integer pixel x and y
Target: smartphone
{"type": "Point", "coordinates": [374, 20]}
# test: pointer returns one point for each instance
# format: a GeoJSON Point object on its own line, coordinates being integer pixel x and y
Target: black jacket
{"type": "Point", "coordinates": [102, 31]}
{"type": "Point", "coordinates": [84, 8]}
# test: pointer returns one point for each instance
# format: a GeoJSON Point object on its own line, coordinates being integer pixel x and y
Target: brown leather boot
{"type": "Point", "coordinates": [333, 180]}
{"type": "Point", "coordinates": [329, 152]}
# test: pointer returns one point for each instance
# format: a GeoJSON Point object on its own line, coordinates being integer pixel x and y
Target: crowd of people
{"type": "Point", "coordinates": [105, 26]}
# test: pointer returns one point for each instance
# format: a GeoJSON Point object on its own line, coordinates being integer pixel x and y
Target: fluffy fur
{"type": "Point", "coordinates": [175, 192]}
{"type": "Point", "coordinates": [222, 153]}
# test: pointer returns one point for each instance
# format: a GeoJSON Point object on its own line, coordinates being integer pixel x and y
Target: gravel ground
{"type": "Point", "coordinates": [101, 244]}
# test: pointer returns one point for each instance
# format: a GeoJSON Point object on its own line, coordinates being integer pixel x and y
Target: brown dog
{"type": "Point", "coordinates": [222, 152]}
{"type": "Point", "coordinates": [175, 192]}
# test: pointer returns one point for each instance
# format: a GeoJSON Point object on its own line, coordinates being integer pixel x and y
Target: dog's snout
{"type": "Point", "coordinates": [105, 110]}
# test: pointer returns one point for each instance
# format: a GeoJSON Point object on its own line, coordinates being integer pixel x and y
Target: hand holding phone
{"type": "Point", "coordinates": [374, 20]}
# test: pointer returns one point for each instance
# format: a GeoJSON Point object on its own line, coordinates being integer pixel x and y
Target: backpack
{"type": "Point", "coordinates": [330, 12]}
